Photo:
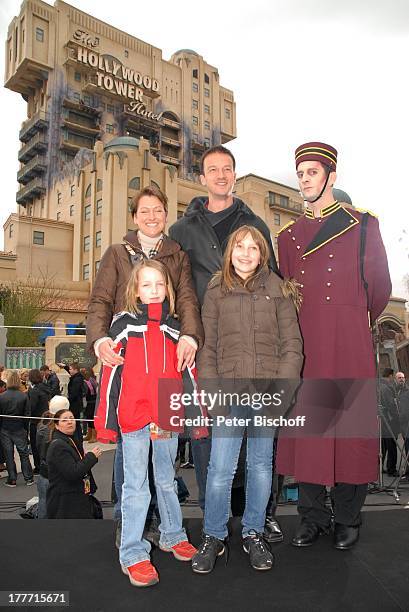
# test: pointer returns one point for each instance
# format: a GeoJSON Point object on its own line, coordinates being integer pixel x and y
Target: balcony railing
{"type": "Point", "coordinates": [166, 159]}
{"type": "Point", "coordinates": [38, 122]}
{"type": "Point", "coordinates": [36, 143]}
{"type": "Point", "coordinates": [274, 201]}
{"type": "Point", "coordinates": [29, 192]}
{"type": "Point", "coordinates": [35, 166]}
{"type": "Point", "coordinates": [170, 141]}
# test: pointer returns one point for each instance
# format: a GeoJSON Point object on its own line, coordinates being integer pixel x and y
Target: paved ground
{"type": "Point", "coordinates": [13, 500]}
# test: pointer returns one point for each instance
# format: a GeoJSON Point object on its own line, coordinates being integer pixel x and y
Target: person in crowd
{"type": "Point", "coordinates": [390, 425]}
{"type": "Point", "coordinates": [91, 387]}
{"type": "Point", "coordinates": [146, 336]}
{"type": "Point", "coordinates": [149, 212]}
{"type": "Point", "coordinates": [52, 381]}
{"type": "Point", "coordinates": [338, 258]}
{"type": "Point", "coordinates": [13, 432]}
{"type": "Point", "coordinates": [38, 397]}
{"type": "Point", "coordinates": [76, 392]}
{"type": "Point", "coordinates": [24, 385]}
{"type": "Point", "coordinates": [43, 442]}
{"type": "Point", "coordinates": [3, 468]}
{"type": "Point", "coordinates": [203, 233]}
{"type": "Point", "coordinates": [402, 404]}
{"type": "Point", "coordinates": [251, 331]}
{"type": "Point", "coordinates": [69, 471]}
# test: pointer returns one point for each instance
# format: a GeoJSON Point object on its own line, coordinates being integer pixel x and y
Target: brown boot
{"type": "Point", "coordinates": [88, 437]}
{"type": "Point", "coordinates": [93, 435]}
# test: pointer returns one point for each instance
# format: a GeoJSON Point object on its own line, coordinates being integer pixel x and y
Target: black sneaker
{"type": "Point", "coordinates": [272, 530]}
{"type": "Point", "coordinates": [10, 483]}
{"type": "Point", "coordinates": [261, 558]}
{"type": "Point", "coordinates": [204, 560]}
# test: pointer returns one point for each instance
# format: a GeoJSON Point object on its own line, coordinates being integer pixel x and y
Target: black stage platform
{"type": "Point", "coordinates": [79, 557]}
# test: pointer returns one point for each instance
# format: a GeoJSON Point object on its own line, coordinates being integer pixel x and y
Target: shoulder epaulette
{"type": "Point", "coordinates": [363, 211]}
{"type": "Point", "coordinates": [285, 226]}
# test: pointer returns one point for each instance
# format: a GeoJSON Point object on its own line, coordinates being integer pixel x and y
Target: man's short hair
{"type": "Point", "coordinates": [387, 372]}
{"type": "Point", "coordinates": [151, 191]}
{"type": "Point", "coordinates": [75, 366]}
{"type": "Point", "coordinates": [44, 368]}
{"type": "Point", "coordinates": [216, 149]}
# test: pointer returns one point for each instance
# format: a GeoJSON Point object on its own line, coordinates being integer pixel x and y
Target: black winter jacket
{"type": "Point", "coordinates": [39, 397]}
{"type": "Point", "coordinates": [65, 495]}
{"type": "Point", "coordinates": [14, 403]}
{"type": "Point", "coordinates": [198, 239]}
{"type": "Point", "coordinates": [53, 384]}
{"type": "Point", "coordinates": [76, 393]}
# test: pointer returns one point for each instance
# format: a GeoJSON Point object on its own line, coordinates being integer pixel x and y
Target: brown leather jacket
{"type": "Point", "coordinates": [250, 333]}
{"type": "Point", "coordinates": [108, 293]}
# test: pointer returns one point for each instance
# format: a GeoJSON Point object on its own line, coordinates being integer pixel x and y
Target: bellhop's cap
{"type": "Point", "coordinates": [317, 151]}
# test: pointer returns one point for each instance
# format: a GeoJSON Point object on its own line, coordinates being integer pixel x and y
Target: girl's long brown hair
{"type": "Point", "coordinates": [132, 300]}
{"type": "Point", "coordinates": [227, 275]}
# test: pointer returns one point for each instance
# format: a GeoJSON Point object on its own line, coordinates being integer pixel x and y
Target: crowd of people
{"type": "Point", "coordinates": [205, 307]}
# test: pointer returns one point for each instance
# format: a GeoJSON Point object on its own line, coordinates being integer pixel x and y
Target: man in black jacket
{"type": "Point", "coordinates": [76, 392]}
{"type": "Point", "coordinates": [203, 233]}
{"type": "Point", "coordinates": [52, 381]}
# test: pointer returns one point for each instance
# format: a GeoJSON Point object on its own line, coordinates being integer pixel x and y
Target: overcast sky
{"type": "Point", "coordinates": [331, 70]}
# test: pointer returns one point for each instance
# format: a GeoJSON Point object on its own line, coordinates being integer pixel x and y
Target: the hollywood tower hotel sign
{"type": "Point", "coordinates": [112, 76]}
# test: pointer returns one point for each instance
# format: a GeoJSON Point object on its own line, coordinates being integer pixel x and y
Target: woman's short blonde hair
{"type": "Point", "coordinates": [132, 300]}
{"type": "Point", "coordinates": [13, 380]}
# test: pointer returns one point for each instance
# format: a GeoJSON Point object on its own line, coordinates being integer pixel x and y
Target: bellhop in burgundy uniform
{"type": "Point", "coordinates": [323, 254]}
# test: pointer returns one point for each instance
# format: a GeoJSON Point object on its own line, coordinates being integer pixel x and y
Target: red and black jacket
{"type": "Point", "coordinates": [139, 392]}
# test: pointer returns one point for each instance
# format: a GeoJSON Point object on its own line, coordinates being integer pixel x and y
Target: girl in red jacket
{"type": "Point", "coordinates": [134, 397]}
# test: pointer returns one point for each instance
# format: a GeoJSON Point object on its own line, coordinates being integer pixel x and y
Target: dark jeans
{"type": "Point", "coordinates": [33, 444]}
{"type": "Point", "coordinates": [17, 438]}
{"type": "Point", "coordinates": [347, 501]}
{"type": "Point", "coordinates": [390, 451]}
{"type": "Point", "coordinates": [201, 456]}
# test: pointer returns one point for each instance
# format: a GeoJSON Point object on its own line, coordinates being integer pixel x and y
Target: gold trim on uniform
{"type": "Point", "coordinates": [325, 212]}
{"type": "Point", "coordinates": [354, 221]}
{"type": "Point", "coordinates": [363, 211]}
{"type": "Point", "coordinates": [285, 226]}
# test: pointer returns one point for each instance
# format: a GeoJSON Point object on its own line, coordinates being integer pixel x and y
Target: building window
{"type": "Point", "coordinates": [207, 125]}
{"type": "Point", "coordinates": [38, 238]}
{"type": "Point", "coordinates": [77, 76]}
{"type": "Point", "coordinates": [59, 197]}
{"type": "Point", "coordinates": [195, 104]}
{"type": "Point", "coordinates": [11, 230]}
{"type": "Point", "coordinates": [97, 266]}
{"type": "Point", "coordinates": [88, 191]}
{"type": "Point", "coordinates": [271, 198]}
{"type": "Point", "coordinates": [195, 73]}
{"type": "Point", "coordinates": [277, 219]}
{"type": "Point", "coordinates": [40, 34]}
{"type": "Point", "coordinates": [102, 105]}
{"type": "Point", "coordinates": [72, 210]}
{"type": "Point", "coordinates": [87, 212]}
{"type": "Point", "coordinates": [284, 201]}
{"type": "Point", "coordinates": [76, 96]}
{"type": "Point", "coordinates": [126, 53]}
{"type": "Point", "coordinates": [206, 142]}
{"type": "Point", "coordinates": [227, 113]}
{"type": "Point", "coordinates": [87, 243]}
{"type": "Point", "coordinates": [207, 109]}
{"type": "Point", "coordinates": [206, 92]}
{"type": "Point", "coordinates": [109, 128]}
{"type": "Point", "coordinates": [98, 239]}
{"type": "Point", "coordinates": [85, 272]}
{"type": "Point", "coordinates": [87, 100]}
{"type": "Point", "coordinates": [72, 189]}
{"type": "Point", "coordinates": [110, 108]}
{"type": "Point", "coordinates": [195, 120]}
{"type": "Point", "coordinates": [134, 183]}
{"type": "Point", "coordinates": [195, 137]}
{"type": "Point", "coordinates": [195, 87]}
{"type": "Point", "coordinates": [58, 216]}
{"type": "Point", "coordinates": [206, 78]}
{"type": "Point", "coordinates": [99, 207]}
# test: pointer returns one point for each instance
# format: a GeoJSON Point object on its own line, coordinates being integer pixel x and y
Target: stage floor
{"type": "Point", "coordinates": [79, 557]}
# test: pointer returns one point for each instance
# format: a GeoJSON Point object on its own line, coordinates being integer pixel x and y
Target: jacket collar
{"type": "Point", "coordinates": [196, 206]}
{"type": "Point", "coordinates": [169, 246]}
{"type": "Point", "coordinates": [154, 312]}
{"type": "Point", "coordinates": [325, 212]}
{"type": "Point", "coordinates": [337, 223]}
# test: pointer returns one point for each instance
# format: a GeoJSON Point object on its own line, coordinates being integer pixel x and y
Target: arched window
{"type": "Point", "coordinates": [88, 191]}
{"type": "Point", "coordinates": [135, 183]}
{"type": "Point", "coordinates": [153, 184]}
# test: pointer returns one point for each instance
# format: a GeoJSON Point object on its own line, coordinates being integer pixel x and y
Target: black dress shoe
{"type": "Point", "coordinates": [272, 530]}
{"type": "Point", "coordinates": [345, 537]}
{"type": "Point", "coordinates": [306, 534]}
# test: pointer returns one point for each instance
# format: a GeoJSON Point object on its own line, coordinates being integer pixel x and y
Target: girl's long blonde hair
{"type": "Point", "coordinates": [132, 300]}
{"type": "Point", "coordinates": [227, 275]}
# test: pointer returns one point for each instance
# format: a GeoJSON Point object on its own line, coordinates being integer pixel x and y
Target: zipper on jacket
{"type": "Point", "coordinates": [146, 354]}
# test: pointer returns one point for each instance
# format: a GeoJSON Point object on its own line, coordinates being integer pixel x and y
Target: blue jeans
{"type": "Point", "coordinates": [18, 438]}
{"type": "Point", "coordinates": [225, 452]}
{"type": "Point", "coordinates": [136, 495]}
{"type": "Point", "coordinates": [42, 486]}
{"type": "Point", "coordinates": [119, 481]}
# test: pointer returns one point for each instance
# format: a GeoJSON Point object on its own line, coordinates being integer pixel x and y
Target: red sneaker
{"type": "Point", "coordinates": [183, 551]}
{"type": "Point", "coordinates": [141, 574]}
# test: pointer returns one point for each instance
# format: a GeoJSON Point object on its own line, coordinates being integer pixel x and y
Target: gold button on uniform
{"type": "Point", "coordinates": [329, 269]}
{"type": "Point", "coordinates": [331, 256]}
{"type": "Point", "coordinates": [328, 284]}
{"type": "Point", "coordinates": [328, 298]}
{"type": "Point", "coordinates": [302, 271]}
